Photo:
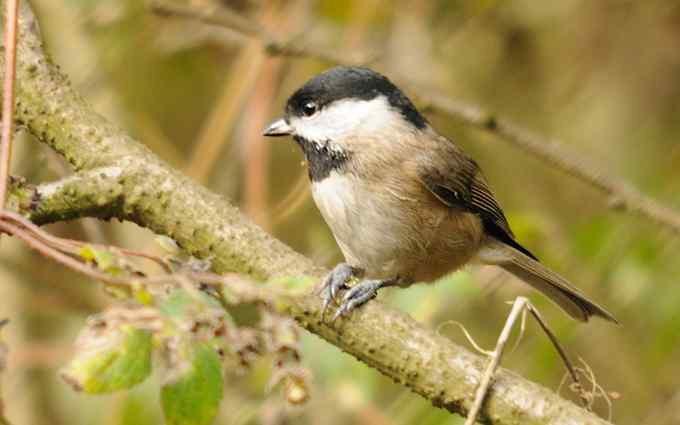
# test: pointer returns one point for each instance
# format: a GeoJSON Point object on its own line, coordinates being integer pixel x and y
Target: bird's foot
{"type": "Point", "coordinates": [358, 295]}
{"type": "Point", "coordinates": [335, 281]}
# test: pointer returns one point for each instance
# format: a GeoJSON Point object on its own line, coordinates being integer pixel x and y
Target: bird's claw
{"type": "Point", "coordinates": [335, 281]}
{"type": "Point", "coordinates": [360, 294]}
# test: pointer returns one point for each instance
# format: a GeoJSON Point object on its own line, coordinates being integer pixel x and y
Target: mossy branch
{"type": "Point", "coordinates": [118, 177]}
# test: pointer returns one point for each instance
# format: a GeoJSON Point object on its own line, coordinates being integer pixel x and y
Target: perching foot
{"type": "Point", "coordinates": [333, 283]}
{"type": "Point", "coordinates": [364, 291]}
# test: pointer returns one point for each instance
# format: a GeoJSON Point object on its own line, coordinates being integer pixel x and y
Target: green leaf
{"type": "Point", "coordinates": [176, 303]}
{"type": "Point", "coordinates": [193, 396]}
{"type": "Point", "coordinates": [110, 361]}
{"type": "Point", "coordinates": [87, 253]}
{"type": "Point", "coordinates": [141, 294]}
{"type": "Point", "coordinates": [182, 304]}
{"type": "Point", "coordinates": [106, 260]}
{"type": "Point", "coordinates": [103, 258]}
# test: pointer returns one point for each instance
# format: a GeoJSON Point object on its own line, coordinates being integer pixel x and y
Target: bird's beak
{"type": "Point", "coordinates": [278, 128]}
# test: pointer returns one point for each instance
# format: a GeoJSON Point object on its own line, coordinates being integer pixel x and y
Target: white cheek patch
{"type": "Point", "coordinates": [348, 118]}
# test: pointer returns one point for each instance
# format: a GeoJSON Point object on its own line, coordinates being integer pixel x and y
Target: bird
{"type": "Point", "coordinates": [404, 203]}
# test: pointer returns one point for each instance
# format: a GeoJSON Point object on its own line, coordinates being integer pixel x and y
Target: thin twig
{"type": "Point", "coordinates": [59, 256]}
{"type": "Point", "coordinates": [471, 340]}
{"type": "Point", "coordinates": [10, 42]}
{"type": "Point", "coordinates": [588, 397]}
{"type": "Point", "coordinates": [227, 18]}
{"type": "Point", "coordinates": [247, 291]}
{"type": "Point", "coordinates": [61, 250]}
{"type": "Point", "coordinates": [560, 351]}
{"type": "Point", "coordinates": [58, 250]}
{"type": "Point", "coordinates": [74, 247]}
{"type": "Point", "coordinates": [213, 15]}
{"type": "Point", "coordinates": [522, 329]}
{"type": "Point", "coordinates": [620, 193]}
{"type": "Point", "coordinates": [517, 308]}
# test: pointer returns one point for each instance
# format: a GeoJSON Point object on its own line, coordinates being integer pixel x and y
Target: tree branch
{"type": "Point", "coordinates": [621, 194]}
{"type": "Point", "coordinates": [226, 18]}
{"type": "Point", "coordinates": [138, 186]}
{"type": "Point", "coordinates": [93, 193]}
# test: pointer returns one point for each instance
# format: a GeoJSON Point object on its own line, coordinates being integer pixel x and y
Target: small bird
{"type": "Point", "coordinates": [404, 203]}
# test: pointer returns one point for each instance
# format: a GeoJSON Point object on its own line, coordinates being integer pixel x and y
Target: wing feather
{"type": "Point", "coordinates": [459, 183]}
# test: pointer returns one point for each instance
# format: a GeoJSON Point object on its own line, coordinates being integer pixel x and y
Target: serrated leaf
{"type": "Point", "coordinates": [110, 361]}
{"type": "Point", "coordinates": [193, 396]}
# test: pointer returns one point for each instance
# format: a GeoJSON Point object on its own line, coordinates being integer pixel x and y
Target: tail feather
{"type": "Point", "coordinates": [554, 286]}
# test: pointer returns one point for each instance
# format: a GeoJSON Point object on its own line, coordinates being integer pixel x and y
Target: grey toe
{"type": "Point", "coordinates": [358, 295]}
{"type": "Point", "coordinates": [335, 281]}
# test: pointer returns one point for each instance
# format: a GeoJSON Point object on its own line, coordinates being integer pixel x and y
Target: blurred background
{"type": "Point", "coordinates": [602, 76]}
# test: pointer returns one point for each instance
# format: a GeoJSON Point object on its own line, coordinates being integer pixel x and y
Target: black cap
{"type": "Point", "coordinates": [343, 82]}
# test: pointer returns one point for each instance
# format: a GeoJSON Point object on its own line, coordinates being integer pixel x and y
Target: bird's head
{"type": "Point", "coordinates": [346, 103]}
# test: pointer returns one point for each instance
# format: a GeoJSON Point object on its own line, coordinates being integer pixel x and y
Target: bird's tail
{"type": "Point", "coordinates": [554, 286]}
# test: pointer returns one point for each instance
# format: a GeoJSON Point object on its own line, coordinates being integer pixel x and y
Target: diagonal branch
{"type": "Point", "coordinates": [224, 17]}
{"type": "Point", "coordinates": [117, 176]}
{"type": "Point", "coordinates": [620, 193]}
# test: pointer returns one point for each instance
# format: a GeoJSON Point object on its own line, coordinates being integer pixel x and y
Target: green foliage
{"type": "Point", "coordinates": [193, 391]}
{"type": "Point", "coordinates": [179, 303]}
{"type": "Point", "coordinates": [110, 360]}
{"type": "Point", "coordinates": [104, 259]}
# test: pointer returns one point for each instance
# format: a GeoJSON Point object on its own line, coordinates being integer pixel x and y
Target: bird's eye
{"type": "Point", "coordinates": [309, 109]}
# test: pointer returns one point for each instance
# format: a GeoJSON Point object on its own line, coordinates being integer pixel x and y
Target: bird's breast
{"type": "Point", "coordinates": [366, 228]}
{"type": "Point", "coordinates": [388, 230]}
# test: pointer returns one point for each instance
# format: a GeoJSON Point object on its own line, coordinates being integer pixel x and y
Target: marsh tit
{"type": "Point", "coordinates": [404, 203]}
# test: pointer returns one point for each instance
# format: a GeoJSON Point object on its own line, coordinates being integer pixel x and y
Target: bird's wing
{"type": "Point", "coordinates": [457, 181]}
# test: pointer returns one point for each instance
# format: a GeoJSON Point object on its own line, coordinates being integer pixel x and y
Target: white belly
{"type": "Point", "coordinates": [368, 228]}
